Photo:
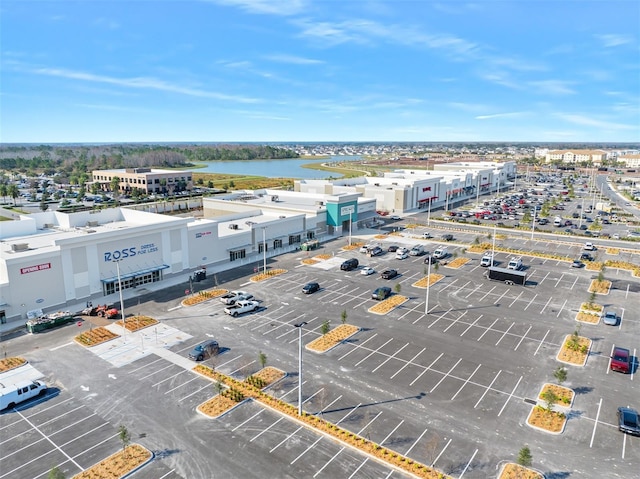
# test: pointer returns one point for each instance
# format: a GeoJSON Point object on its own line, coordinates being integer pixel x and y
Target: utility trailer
{"type": "Point", "coordinates": [509, 276]}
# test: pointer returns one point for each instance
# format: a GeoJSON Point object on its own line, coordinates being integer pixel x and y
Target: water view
{"type": "Point", "coordinates": [290, 168]}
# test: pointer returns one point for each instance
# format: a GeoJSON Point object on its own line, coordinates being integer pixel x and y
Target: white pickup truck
{"type": "Point", "coordinates": [234, 296]}
{"type": "Point", "coordinates": [241, 307]}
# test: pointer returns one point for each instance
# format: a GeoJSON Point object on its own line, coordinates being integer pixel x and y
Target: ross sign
{"type": "Point", "coordinates": [129, 252]}
{"type": "Point", "coordinates": [39, 267]}
{"type": "Point", "coordinates": [347, 210]}
{"type": "Point", "coordinates": [203, 233]}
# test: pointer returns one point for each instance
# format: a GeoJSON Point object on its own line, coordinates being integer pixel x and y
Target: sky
{"type": "Point", "coordinates": [319, 70]}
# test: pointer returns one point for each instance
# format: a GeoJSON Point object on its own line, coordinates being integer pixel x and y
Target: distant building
{"type": "Point", "coordinates": [629, 161]}
{"type": "Point", "coordinates": [148, 180]}
{"type": "Point", "coordinates": [594, 157]}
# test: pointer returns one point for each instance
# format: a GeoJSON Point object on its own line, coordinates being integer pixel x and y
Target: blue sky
{"type": "Point", "coordinates": [327, 70]}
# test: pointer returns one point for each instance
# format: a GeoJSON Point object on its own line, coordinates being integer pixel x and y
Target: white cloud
{"type": "Point", "coordinates": [501, 78]}
{"type": "Point", "coordinates": [271, 7]}
{"type": "Point", "coordinates": [468, 107]}
{"type": "Point", "coordinates": [594, 122]}
{"type": "Point", "coordinates": [292, 59]}
{"type": "Point", "coordinates": [553, 87]}
{"type": "Point", "coordinates": [515, 114]}
{"type": "Point", "coordinates": [613, 39]}
{"type": "Point", "coordinates": [145, 83]}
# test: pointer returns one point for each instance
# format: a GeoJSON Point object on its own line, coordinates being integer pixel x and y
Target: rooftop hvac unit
{"type": "Point", "coordinates": [320, 203]}
{"type": "Point", "coordinates": [47, 225]}
{"type": "Point", "coordinates": [233, 226]}
{"type": "Point", "coordinates": [275, 198]}
{"type": "Point", "coordinates": [20, 247]}
{"type": "Point", "coordinates": [92, 223]}
{"type": "Point", "coordinates": [282, 217]}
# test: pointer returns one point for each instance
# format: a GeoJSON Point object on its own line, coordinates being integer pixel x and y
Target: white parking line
{"type": "Point", "coordinates": [468, 464]}
{"type": "Point", "coordinates": [169, 378]}
{"type": "Point", "coordinates": [465, 383]}
{"type": "Point", "coordinates": [559, 280]}
{"type": "Point", "coordinates": [439, 318]}
{"type": "Point", "coordinates": [510, 395]}
{"type": "Point", "coordinates": [329, 461]}
{"type": "Point", "coordinates": [247, 420]}
{"type": "Point", "coordinates": [445, 376]}
{"type": "Point", "coordinates": [307, 449]}
{"type": "Point", "coordinates": [441, 452]}
{"type": "Point", "coordinates": [157, 371]}
{"type": "Point", "coordinates": [407, 363]}
{"type": "Point", "coordinates": [373, 352]}
{"type": "Point", "coordinates": [455, 320]}
{"type": "Point", "coordinates": [358, 468]}
{"type": "Point", "coordinates": [501, 296]}
{"type": "Point", "coordinates": [547, 304]}
{"type": "Point", "coordinates": [62, 346]}
{"type": "Point", "coordinates": [415, 442]}
{"type": "Point", "coordinates": [542, 342]}
{"type": "Point", "coordinates": [448, 284]}
{"type": "Point", "coordinates": [621, 318]}
{"type": "Point", "coordinates": [487, 390]}
{"type": "Point", "coordinates": [488, 329]}
{"type": "Point", "coordinates": [561, 308]}
{"type": "Point", "coordinates": [624, 444]}
{"type": "Point", "coordinates": [595, 423]}
{"type": "Point", "coordinates": [357, 346]}
{"type": "Point", "coordinates": [610, 355]}
{"type": "Point", "coordinates": [530, 302]}
{"type": "Point", "coordinates": [473, 291]}
{"type": "Point", "coordinates": [241, 368]}
{"type": "Point", "coordinates": [633, 364]}
{"type": "Point", "coordinates": [285, 439]}
{"type": "Point", "coordinates": [488, 293]}
{"type": "Point", "coordinates": [265, 430]}
{"type": "Point", "coordinates": [349, 413]}
{"type": "Point", "coordinates": [545, 277]}
{"type": "Point", "coordinates": [522, 338]}
{"type": "Point", "coordinates": [471, 325]}
{"type": "Point", "coordinates": [182, 385]}
{"type": "Point", "coordinates": [426, 369]}
{"type": "Point", "coordinates": [389, 358]}
{"type": "Point", "coordinates": [574, 283]}
{"type": "Point", "coordinates": [505, 333]}
{"type": "Point", "coordinates": [359, 433]}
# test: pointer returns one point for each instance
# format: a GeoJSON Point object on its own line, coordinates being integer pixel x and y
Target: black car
{"type": "Point", "coordinates": [204, 350]}
{"type": "Point", "coordinates": [393, 248]}
{"type": "Point", "coordinates": [447, 237]}
{"type": "Point", "coordinates": [381, 293]}
{"type": "Point", "coordinates": [628, 421]}
{"type": "Point", "coordinates": [349, 264]}
{"type": "Point", "coordinates": [586, 257]}
{"type": "Point", "coordinates": [388, 274]}
{"type": "Point", "coordinates": [431, 259]}
{"type": "Point", "coordinates": [310, 288]}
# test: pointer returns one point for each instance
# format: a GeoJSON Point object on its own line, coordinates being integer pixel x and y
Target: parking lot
{"type": "Point", "coordinates": [451, 388]}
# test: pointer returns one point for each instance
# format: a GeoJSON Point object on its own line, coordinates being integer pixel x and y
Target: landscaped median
{"type": "Point", "coordinates": [589, 313]}
{"type": "Point", "coordinates": [267, 274]}
{"type": "Point", "coordinates": [136, 323]}
{"type": "Point", "coordinates": [389, 304]}
{"type": "Point", "coordinates": [8, 364]}
{"type": "Point", "coordinates": [511, 470]}
{"type": "Point", "coordinates": [427, 281]}
{"type": "Point", "coordinates": [95, 336]}
{"type": "Point", "coordinates": [457, 263]}
{"type": "Point", "coordinates": [316, 259]}
{"type": "Point", "coordinates": [547, 418]}
{"type": "Point", "coordinates": [334, 337]}
{"type": "Point", "coordinates": [482, 247]}
{"type": "Point", "coordinates": [119, 464]}
{"type": "Point", "coordinates": [574, 350]}
{"type": "Point", "coordinates": [600, 286]}
{"type": "Point", "coordinates": [202, 296]}
{"type": "Point", "coordinates": [246, 390]}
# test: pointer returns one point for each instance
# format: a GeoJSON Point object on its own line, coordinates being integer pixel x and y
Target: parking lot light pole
{"type": "Point", "coordinates": [426, 301]}
{"type": "Point", "coordinates": [493, 247]}
{"type": "Point", "coordinates": [299, 326]}
{"type": "Point", "coordinates": [429, 213]}
{"type": "Point", "coordinates": [533, 222]}
{"type": "Point", "coordinates": [117, 262]}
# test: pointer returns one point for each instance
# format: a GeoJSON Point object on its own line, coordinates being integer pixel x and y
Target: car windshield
{"type": "Point", "coordinates": [620, 357]}
{"type": "Point", "coordinates": [199, 348]}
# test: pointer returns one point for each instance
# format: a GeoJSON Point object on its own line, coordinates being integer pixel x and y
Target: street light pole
{"type": "Point", "coordinates": [493, 247]}
{"type": "Point", "coordinates": [426, 301]}
{"type": "Point", "coordinates": [429, 213]}
{"type": "Point", "coordinates": [124, 325]}
{"type": "Point", "coordinates": [350, 225]}
{"type": "Point", "coordinates": [533, 222]}
{"type": "Point", "coordinates": [299, 326]}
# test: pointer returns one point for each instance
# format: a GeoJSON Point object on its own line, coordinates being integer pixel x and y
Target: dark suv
{"type": "Point", "coordinates": [388, 274]}
{"type": "Point", "coordinates": [381, 293]}
{"type": "Point", "coordinates": [204, 350]}
{"type": "Point", "coordinates": [349, 264]}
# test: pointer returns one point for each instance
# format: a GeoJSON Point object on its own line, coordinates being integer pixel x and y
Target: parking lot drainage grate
{"type": "Point", "coordinates": [530, 401]}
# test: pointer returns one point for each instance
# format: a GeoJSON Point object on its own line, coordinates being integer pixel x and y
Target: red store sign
{"type": "Point", "coordinates": [38, 267]}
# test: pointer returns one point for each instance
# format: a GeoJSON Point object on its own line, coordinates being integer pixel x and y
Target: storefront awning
{"type": "Point", "coordinates": [135, 273]}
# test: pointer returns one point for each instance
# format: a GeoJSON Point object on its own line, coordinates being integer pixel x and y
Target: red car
{"type": "Point", "coordinates": [621, 360]}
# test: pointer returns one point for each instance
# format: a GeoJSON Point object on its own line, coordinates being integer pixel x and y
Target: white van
{"type": "Point", "coordinates": [13, 394]}
{"type": "Point", "coordinates": [557, 221]}
{"type": "Point", "coordinates": [486, 260]}
{"type": "Point", "coordinates": [441, 253]}
{"type": "Point", "coordinates": [515, 264]}
{"type": "Point", "coordinates": [417, 250]}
